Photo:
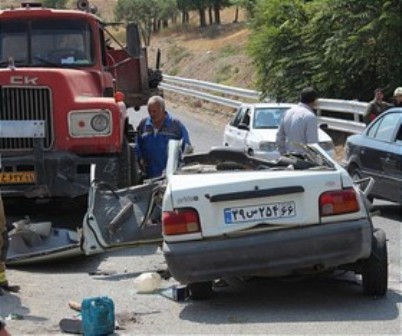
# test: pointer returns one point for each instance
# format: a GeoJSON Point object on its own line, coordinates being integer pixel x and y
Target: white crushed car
{"type": "Point", "coordinates": [226, 215]}
{"type": "Point", "coordinates": [253, 128]}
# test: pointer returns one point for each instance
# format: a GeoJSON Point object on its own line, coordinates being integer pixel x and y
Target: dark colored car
{"type": "Point", "coordinates": [377, 153]}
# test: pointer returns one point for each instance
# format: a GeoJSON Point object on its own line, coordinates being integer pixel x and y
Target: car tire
{"type": "Point", "coordinates": [375, 268]}
{"type": "Point", "coordinates": [200, 290]}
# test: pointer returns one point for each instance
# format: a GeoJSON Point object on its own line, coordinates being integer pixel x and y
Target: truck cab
{"type": "Point", "coordinates": [64, 94]}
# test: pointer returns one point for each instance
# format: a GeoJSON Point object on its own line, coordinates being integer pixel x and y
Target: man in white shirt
{"type": "Point", "coordinates": [299, 124]}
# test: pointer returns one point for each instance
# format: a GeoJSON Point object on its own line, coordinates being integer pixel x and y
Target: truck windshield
{"type": "Point", "coordinates": [51, 43]}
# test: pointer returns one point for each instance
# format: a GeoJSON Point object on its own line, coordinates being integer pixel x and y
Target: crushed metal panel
{"type": "Point", "coordinates": [28, 246]}
{"type": "Point", "coordinates": [121, 217]}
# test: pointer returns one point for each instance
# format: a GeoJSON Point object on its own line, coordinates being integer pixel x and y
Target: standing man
{"type": "Point", "coordinates": [3, 330]}
{"type": "Point", "coordinates": [3, 247]}
{"type": "Point", "coordinates": [4, 285]}
{"type": "Point", "coordinates": [154, 133]}
{"type": "Point", "coordinates": [299, 124]}
{"type": "Point", "coordinates": [398, 96]}
{"type": "Point", "coordinates": [376, 106]}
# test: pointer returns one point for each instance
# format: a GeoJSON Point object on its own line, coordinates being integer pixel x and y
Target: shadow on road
{"type": "Point", "coordinates": [90, 264]}
{"type": "Point", "coordinates": [390, 211]}
{"type": "Point", "coordinates": [312, 300]}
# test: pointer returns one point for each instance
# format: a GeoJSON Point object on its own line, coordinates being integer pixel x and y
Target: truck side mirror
{"type": "Point", "coordinates": [133, 40]}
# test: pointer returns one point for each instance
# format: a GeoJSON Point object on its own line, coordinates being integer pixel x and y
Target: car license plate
{"type": "Point", "coordinates": [17, 178]}
{"type": "Point", "coordinates": [260, 212]}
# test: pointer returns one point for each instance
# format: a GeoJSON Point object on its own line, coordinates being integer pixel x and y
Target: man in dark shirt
{"type": "Point", "coordinates": [3, 246]}
{"type": "Point", "coordinates": [4, 285]}
{"type": "Point", "coordinates": [376, 106]}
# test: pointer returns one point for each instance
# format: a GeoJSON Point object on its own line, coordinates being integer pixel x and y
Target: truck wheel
{"type": "Point", "coordinates": [375, 268]}
{"type": "Point", "coordinates": [200, 290]}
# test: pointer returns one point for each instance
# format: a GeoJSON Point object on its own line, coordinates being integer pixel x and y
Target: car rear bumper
{"type": "Point", "coordinates": [272, 253]}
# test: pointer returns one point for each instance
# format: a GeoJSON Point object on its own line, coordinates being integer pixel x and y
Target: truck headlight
{"type": "Point", "coordinates": [100, 122]}
{"type": "Point", "coordinates": [89, 123]}
{"type": "Point", "coordinates": [268, 146]}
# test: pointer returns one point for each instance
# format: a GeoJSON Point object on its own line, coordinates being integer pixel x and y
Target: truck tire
{"type": "Point", "coordinates": [375, 268]}
{"type": "Point", "coordinates": [200, 290]}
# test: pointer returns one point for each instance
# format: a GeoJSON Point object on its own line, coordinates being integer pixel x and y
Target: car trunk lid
{"type": "Point", "coordinates": [231, 202]}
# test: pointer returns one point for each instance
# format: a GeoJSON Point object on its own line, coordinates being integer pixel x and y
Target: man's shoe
{"type": "Point", "coordinates": [7, 287]}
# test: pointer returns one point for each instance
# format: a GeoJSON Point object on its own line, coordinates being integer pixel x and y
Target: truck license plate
{"type": "Point", "coordinates": [17, 178]}
{"type": "Point", "coordinates": [260, 212]}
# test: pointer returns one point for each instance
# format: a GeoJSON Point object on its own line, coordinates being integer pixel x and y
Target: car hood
{"type": "Point", "coordinates": [269, 135]}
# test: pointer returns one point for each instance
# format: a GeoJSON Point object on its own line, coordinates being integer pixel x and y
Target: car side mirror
{"type": "Point", "coordinates": [324, 126]}
{"type": "Point", "coordinates": [243, 127]}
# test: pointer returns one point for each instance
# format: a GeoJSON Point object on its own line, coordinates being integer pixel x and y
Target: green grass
{"type": "Point", "coordinates": [176, 53]}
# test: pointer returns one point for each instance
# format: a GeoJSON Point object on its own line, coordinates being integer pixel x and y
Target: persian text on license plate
{"type": "Point", "coordinates": [17, 178]}
{"type": "Point", "coordinates": [260, 212]}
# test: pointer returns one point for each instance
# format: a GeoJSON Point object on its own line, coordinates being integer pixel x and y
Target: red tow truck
{"type": "Point", "coordinates": [64, 95]}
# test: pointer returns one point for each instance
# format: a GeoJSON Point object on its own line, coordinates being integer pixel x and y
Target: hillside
{"type": "Point", "coordinates": [215, 53]}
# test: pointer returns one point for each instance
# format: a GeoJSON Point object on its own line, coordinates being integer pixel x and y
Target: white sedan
{"type": "Point", "coordinates": [254, 127]}
{"type": "Point", "coordinates": [228, 215]}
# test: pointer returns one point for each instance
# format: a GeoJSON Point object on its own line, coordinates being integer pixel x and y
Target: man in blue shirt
{"type": "Point", "coordinates": [154, 133]}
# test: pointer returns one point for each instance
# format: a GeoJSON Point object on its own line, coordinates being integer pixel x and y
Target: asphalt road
{"type": "Point", "coordinates": [301, 306]}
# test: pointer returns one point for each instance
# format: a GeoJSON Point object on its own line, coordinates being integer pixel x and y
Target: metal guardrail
{"type": "Point", "coordinates": [217, 93]}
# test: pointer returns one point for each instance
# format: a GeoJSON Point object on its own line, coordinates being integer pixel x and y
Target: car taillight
{"type": "Point", "coordinates": [180, 222]}
{"type": "Point", "coordinates": [338, 202]}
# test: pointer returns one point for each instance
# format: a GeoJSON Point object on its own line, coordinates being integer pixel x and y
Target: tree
{"type": "Point", "coordinates": [169, 11]}
{"type": "Point", "coordinates": [55, 3]}
{"type": "Point", "coordinates": [361, 47]}
{"type": "Point", "coordinates": [184, 8]}
{"type": "Point", "coordinates": [217, 6]}
{"type": "Point", "coordinates": [146, 13]}
{"type": "Point", "coordinates": [248, 5]}
{"type": "Point", "coordinates": [343, 48]}
{"type": "Point", "coordinates": [277, 48]}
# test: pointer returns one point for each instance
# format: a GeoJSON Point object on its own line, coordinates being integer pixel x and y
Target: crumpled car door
{"type": "Point", "coordinates": [117, 218]}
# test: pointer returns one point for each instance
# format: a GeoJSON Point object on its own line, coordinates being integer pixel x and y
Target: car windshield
{"type": "Point", "coordinates": [268, 117]}
{"type": "Point", "coordinates": [51, 43]}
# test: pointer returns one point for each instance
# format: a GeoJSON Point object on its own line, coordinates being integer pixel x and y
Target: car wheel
{"type": "Point", "coordinates": [201, 290]}
{"type": "Point", "coordinates": [375, 268]}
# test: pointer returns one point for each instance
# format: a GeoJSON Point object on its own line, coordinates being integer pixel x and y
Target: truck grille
{"type": "Point", "coordinates": [22, 103]}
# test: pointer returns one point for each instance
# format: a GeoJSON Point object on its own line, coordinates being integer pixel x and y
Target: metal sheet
{"type": "Point", "coordinates": [22, 129]}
